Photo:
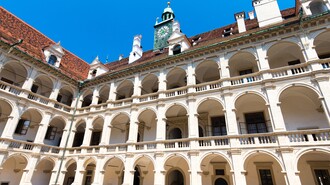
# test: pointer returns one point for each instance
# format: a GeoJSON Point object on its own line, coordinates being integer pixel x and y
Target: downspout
{"type": "Point", "coordinates": [69, 132]}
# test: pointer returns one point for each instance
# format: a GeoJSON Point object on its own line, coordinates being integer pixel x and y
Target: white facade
{"type": "Point", "coordinates": [257, 111]}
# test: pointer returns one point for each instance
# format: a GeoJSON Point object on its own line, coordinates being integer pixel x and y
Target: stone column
{"type": "Point", "coordinates": [292, 178]}
{"type": "Point", "coordinates": [133, 128]}
{"type": "Point", "coordinates": [159, 178]}
{"type": "Point", "coordinates": [262, 60]}
{"type": "Point", "coordinates": [238, 171]}
{"type": "Point", "coordinates": [96, 96]}
{"type": "Point", "coordinates": [161, 125]}
{"type": "Point", "coordinates": [129, 170]}
{"type": "Point", "coordinates": [230, 112]}
{"type": "Point", "coordinates": [55, 172]}
{"type": "Point", "coordinates": [274, 108]}
{"type": "Point", "coordinates": [195, 178]}
{"type": "Point", "coordinates": [55, 91]}
{"type": "Point", "coordinates": [191, 77]}
{"type": "Point", "coordinates": [43, 126]}
{"type": "Point", "coordinates": [193, 122]}
{"type": "Point", "coordinates": [162, 82]}
{"type": "Point", "coordinates": [30, 79]}
{"type": "Point", "coordinates": [10, 126]}
{"type": "Point", "coordinates": [28, 171]}
{"type": "Point", "coordinates": [88, 132]}
{"type": "Point", "coordinates": [80, 172]}
{"type": "Point", "coordinates": [224, 69]}
{"type": "Point", "coordinates": [106, 133]}
{"type": "Point", "coordinates": [137, 86]}
{"type": "Point", "coordinates": [99, 172]}
{"type": "Point", "coordinates": [112, 94]}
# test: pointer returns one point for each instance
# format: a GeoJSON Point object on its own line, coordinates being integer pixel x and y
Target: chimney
{"type": "Point", "coordinates": [267, 11]}
{"type": "Point", "coordinates": [240, 18]}
{"type": "Point", "coordinates": [251, 15]}
{"type": "Point", "coordinates": [136, 53]}
{"type": "Point", "coordinates": [121, 56]}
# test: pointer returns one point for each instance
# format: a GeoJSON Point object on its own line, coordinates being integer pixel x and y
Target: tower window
{"type": "Point", "coordinates": [94, 72]}
{"type": "Point", "coordinates": [177, 49]}
{"type": "Point", "coordinates": [52, 60]}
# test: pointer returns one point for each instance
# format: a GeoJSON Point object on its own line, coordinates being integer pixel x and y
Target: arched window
{"type": "Point", "coordinates": [177, 49]}
{"type": "Point", "coordinates": [52, 60]}
{"type": "Point", "coordinates": [318, 7]}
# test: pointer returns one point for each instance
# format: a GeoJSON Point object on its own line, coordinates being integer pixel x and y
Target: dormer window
{"type": "Point", "coordinates": [318, 7]}
{"type": "Point", "coordinates": [227, 32]}
{"type": "Point", "coordinates": [94, 72]}
{"type": "Point", "coordinates": [177, 49]}
{"type": "Point", "coordinates": [52, 60]}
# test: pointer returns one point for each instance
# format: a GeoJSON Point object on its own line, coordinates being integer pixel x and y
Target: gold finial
{"type": "Point", "coordinates": [168, 3]}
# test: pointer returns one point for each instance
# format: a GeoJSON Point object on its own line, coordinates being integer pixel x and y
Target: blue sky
{"type": "Point", "coordinates": [106, 28]}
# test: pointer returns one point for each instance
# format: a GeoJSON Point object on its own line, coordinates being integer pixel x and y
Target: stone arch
{"type": "Point", "coordinates": [297, 85]}
{"type": "Point", "coordinates": [176, 78]}
{"type": "Point", "coordinates": [146, 109]}
{"type": "Point", "coordinates": [23, 155]}
{"type": "Point", "coordinates": [149, 84]}
{"type": "Point", "coordinates": [321, 43]}
{"type": "Point", "coordinates": [120, 113]}
{"type": "Point", "coordinates": [252, 153]}
{"type": "Point", "coordinates": [301, 105]}
{"type": "Point", "coordinates": [104, 91]}
{"type": "Point", "coordinates": [14, 72]}
{"type": "Point", "coordinates": [287, 52]}
{"type": "Point", "coordinates": [138, 157]}
{"type": "Point", "coordinates": [218, 153]}
{"type": "Point", "coordinates": [88, 161]}
{"type": "Point", "coordinates": [70, 161]}
{"type": "Point", "coordinates": [203, 100]}
{"type": "Point", "coordinates": [257, 93]}
{"type": "Point", "coordinates": [121, 159]}
{"type": "Point", "coordinates": [176, 104]}
{"type": "Point", "coordinates": [125, 89]}
{"type": "Point", "coordinates": [147, 120]}
{"type": "Point", "coordinates": [207, 71]}
{"type": "Point", "coordinates": [169, 156]}
{"type": "Point", "coordinates": [304, 151]}
{"type": "Point", "coordinates": [243, 63]}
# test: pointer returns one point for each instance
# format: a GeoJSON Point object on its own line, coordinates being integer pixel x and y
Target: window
{"type": "Point", "coordinates": [51, 133]}
{"type": "Point", "coordinates": [34, 88]}
{"type": "Point", "coordinates": [94, 72]}
{"type": "Point", "coordinates": [219, 126]}
{"type": "Point", "coordinates": [255, 123]}
{"type": "Point", "coordinates": [322, 176]}
{"type": "Point", "coordinates": [219, 172]}
{"type": "Point", "coordinates": [266, 177]}
{"type": "Point", "coordinates": [52, 60]}
{"type": "Point", "coordinates": [96, 137]}
{"type": "Point", "coordinates": [4, 183]}
{"type": "Point", "coordinates": [177, 49]}
{"type": "Point", "coordinates": [6, 80]}
{"type": "Point", "coordinates": [245, 72]}
{"type": "Point", "coordinates": [22, 127]}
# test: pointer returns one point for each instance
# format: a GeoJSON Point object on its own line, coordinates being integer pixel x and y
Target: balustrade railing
{"type": "Point", "coordinates": [290, 70]}
{"type": "Point", "coordinates": [293, 138]}
{"type": "Point", "coordinates": [176, 92]}
{"type": "Point", "coordinates": [244, 79]}
{"type": "Point", "coordinates": [208, 86]}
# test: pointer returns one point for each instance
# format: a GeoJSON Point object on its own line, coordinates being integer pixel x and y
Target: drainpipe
{"type": "Point", "coordinates": [70, 129]}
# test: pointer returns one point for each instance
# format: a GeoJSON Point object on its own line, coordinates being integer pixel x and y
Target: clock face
{"type": "Point", "coordinates": [163, 31]}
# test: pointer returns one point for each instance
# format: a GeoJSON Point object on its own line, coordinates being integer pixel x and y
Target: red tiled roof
{"type": "Point", "coordinates": [12, 29]}
{"type": "Point", "coordinates": [205, 38]}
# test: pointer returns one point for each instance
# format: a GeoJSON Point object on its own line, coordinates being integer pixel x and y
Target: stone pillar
{"type": "Point", "coordinates": [80, 172]}
{"type": "Point", "coordinates": [161, 125]}
{"type": "Point", "coordinates": [274, 108]}
{"type": "Point", "coordinates": [28, 171]}
{"type": "Point", "coordinates": [10, 126]}
{"type": "Point", "coordinates": [292, 178]}
{"type": "Point", "coordinates": [162, 83]}
{"type": "Point", "coordinates": [238, 171]}
{"type": "Point", "coordinates": [30, 79]}
{"type": "Point", "coordinates": [224, 69]}
{"type": "Point", "coordinates": [192, 118]}
{"type": "Point", "coordinates": [55, 91]}
{"type": "Point", "coordinates": [137, 86]}
{"type": "Point", "coordinates": [309, 51]}
{"type": "Point", "coordinates": [194, 165]}
{"type": "Point", "coordinates": [43, 126]}
{"type": "Point", "coordinates": [106, 133]}
{"type": "Point", "coordinates": [55, 172]}
{"type": "Point", "coordinates": [99, 172]}
{"type": "Point", "coordinates": [88, 131]}
{"type": "Point", "coordinates": [133, 128]}
{"type": "Point", "coordinates": [191, 77]}
{"type": "Point", "coordinates": [129, 170]}
{"type": "Point", "coordinates": [262, 60]}
{"type": "Point", "coordinates": [112, 94]}
{"type": "Point", "coordinates": [72, 134]}
{"type": "Point", "coordinates": [96, 96]}
{"type": "Point", "coordinates": [159, 178]}
{"type": "Point", "coordinates": [230, 112]}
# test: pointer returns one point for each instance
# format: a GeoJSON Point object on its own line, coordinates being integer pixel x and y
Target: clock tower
{"type": "Point", "coordinates": [163, 29]}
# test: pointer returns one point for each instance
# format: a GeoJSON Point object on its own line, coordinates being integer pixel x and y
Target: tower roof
{"type": "Point", "coordinates": [168, 9]}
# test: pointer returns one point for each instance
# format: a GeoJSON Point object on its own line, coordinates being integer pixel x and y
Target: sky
{"type": "Point", "coordinates": [106, 28]}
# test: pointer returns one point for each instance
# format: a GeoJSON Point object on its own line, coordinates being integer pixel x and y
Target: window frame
{"type": "Point", "coordinates": [265, 166]}
{"type": "Point", "coordinates": [21, 128]}
{"type": "Point", "coordinates": [51, 133]}
{"type": "Point", "coordinates": [318, 165]}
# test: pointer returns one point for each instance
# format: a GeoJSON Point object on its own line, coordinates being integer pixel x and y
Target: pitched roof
{"type": "Point", "coordinates": [13, 29]}
{"type": "Point", "coordinates": [202, 39]}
